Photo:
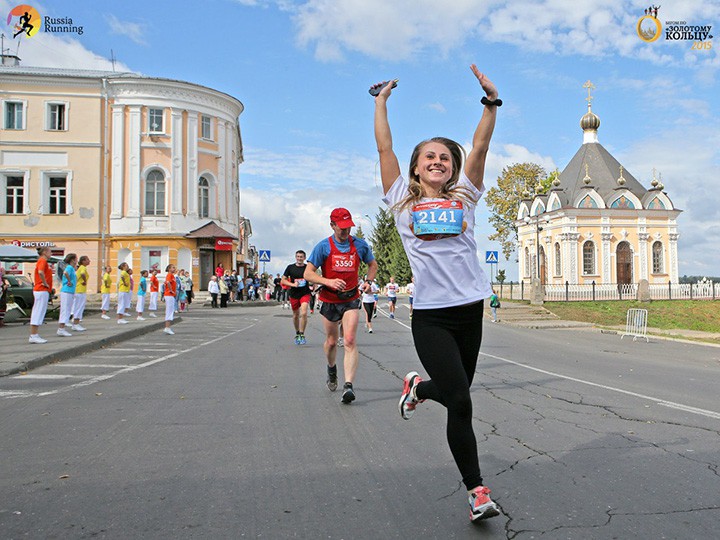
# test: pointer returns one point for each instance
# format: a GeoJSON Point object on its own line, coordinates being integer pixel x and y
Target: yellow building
{"type": "Point", "coordinates": [598, 223]}
{"type": "Point", "coordinates": [121, 167]}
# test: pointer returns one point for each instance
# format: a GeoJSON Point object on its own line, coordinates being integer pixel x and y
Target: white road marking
{"type": "Point", "coordinates": [107, 366]}
{"type": "Point", "coordinates": [664, 403]}
{"type": "Point", "coordinates": [48, 376]}
{"type": "Point", "coordinates": [14, 393]}
{"type": "Point", "coordinates": [107, 376]}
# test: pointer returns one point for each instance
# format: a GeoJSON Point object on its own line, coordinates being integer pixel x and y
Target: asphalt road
{"type": "Point", "coordinates": [226, 430]}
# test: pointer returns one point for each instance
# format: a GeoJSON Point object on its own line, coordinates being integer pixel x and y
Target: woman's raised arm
{"type": "Point", "coordinates": [389, 166]}
{"type": "Point", "coordinates": [475, 162]}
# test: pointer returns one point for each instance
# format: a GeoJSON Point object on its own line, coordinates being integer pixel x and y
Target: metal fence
{"type": "Point", "coordinates": [703, 290]}
{"type": "Point", "coordinates": [636, 324]}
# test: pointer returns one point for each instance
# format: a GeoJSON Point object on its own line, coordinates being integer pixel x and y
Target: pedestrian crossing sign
{"type": "Point", "coordinates": [264, 255]}
{"type": "Point", "coordinates": [491, 257]}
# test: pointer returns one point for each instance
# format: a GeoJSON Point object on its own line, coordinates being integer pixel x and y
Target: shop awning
{"type": "Point", "coordinates": [11, 253]}
{"type": "Point", "coordinates": [210, 230]}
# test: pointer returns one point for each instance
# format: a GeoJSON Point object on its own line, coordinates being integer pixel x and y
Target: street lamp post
{"type": "Point", "coordinates": [538, 228]}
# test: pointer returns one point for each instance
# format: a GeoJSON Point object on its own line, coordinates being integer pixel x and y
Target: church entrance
{"type": "Point", "coordinates": [624, 258]}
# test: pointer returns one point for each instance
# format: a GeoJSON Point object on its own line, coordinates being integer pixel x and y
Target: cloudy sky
{"type": "Point", "coordinates": [302, 69]}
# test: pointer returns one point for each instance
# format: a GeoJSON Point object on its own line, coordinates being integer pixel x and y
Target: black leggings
{"type": "Point", "coordinates": [447, 341]}
{"type": "Point", "coordinates": [369, 307]}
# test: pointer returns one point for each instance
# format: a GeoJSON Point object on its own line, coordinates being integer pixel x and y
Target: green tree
{"type": "Point", "coordinates": [516, 182]}
{"type": "Point", "coordinates": [388, 250]}
{"type": "Point", "coordinates": [500, 276]}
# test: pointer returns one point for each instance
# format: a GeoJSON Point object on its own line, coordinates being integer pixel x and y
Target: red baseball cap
{"type": "Point", "coordinates": [342, 218]}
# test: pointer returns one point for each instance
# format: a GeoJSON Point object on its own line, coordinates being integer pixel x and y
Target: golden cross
{"type": "Point", "coordinates": [590, 86]}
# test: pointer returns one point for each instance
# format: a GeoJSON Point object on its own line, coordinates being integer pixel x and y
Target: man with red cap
{"type": "Point", "coordinates": [339, 258]}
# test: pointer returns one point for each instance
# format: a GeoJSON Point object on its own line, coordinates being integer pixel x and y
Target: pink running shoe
{"type": "Point", "coordinates": [481, 505]}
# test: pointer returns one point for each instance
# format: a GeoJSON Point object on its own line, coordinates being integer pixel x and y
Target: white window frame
{"type": "Point", "coordinates": [557, 251]}
{"type": "Point", "coordinates": [45, 191]}
{"type": "Point", "coordinates": [209, 135]}
{"type": "Point", "coordinates": [594, 259]}
{"type": "Point", "coordinates": [165, 194]}
{"type": "Point", "coordinates": [3, 188]}
{"type": "Point", "coordinates": [661, 262]}
{"type": "Point", "coordinates": [209, 196]}
{"type": "Point", "coordinates": [48, 115]}
{"type": "Point", "coordinates": [5, 104]}
{"type": "Point", "coordinates": [528, 262]}
{"type": "Point", "coordinates": [150, 129]}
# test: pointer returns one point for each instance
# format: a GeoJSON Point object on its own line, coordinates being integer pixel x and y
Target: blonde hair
{"type": "Point", "coordinates": [450, 190]}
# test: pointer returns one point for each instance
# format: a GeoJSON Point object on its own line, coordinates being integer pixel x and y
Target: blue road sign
{"type": "Point", "coordinates": [264, 255]}
{"type": "Point", "coordinates": [491, 257]}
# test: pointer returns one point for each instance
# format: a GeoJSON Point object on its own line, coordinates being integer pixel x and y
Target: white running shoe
{"type": "Point", "coordinates": [106, 317]}
{"type": "Point", "coordinates": [122, 321]}
{"type": "Point", "coordinates": [340, 342]}
{"type": "Point", "coordinates": [169, 331]}
{"type": "Point", "coordinates": [153, 315]}
{"type": "Point", "coordinates": [77, 328]}
{"type": "Point", "coordinates": [36, 339]}
{"type": "Point", "coordinates": [140, 318]}
{"type": "Point", "coordinates": [64, 333]}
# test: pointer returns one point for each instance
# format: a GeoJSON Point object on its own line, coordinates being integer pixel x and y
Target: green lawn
{"type": "Point", "coordinates": [701, 315]}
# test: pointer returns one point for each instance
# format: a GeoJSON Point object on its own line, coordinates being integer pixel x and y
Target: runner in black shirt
{"type": "Point", "coordinates": [299, 290]}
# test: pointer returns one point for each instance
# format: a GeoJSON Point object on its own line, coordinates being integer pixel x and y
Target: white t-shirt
{"type": "Point", "coordinates": [440, 265]}
{"type": "Point", "coordinates": [410, 289]}
{"type": "Point", "coordinates": [392, 289]}
{"type": "Point", "coordinates": [367, 296]}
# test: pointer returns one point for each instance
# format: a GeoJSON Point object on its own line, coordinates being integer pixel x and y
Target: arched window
{"type": "Point", "coordinates": [589, 258]}
{"type": "Point", "coordinates": [657, 258]}
{"type": "Point", "coordinates": [558, 261]}
{"type": "Point", "coordinates": [155, 193]}
{"type": "Point", "coordinates": [203, 197]}
{"type": "Point", "coordinates": [527, 262]}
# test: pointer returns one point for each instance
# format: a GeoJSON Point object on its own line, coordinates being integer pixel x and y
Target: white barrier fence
{"type": "Point", "coordinates": [636, 324]}
{"type": "Point", "coordinates": [703, 290]}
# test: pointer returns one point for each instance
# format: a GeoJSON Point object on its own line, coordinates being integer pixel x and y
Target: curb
{"type": "Point", "coordinates": [84, 348]}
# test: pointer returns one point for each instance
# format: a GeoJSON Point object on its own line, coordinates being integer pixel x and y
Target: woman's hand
{"type": "Point", "coordinates": [487, 85]}
{"type": "Point", "coordinates": [385, 92]}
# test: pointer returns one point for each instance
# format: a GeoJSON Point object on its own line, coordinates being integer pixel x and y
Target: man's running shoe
{"type": "Point", "coordinates": [369, 330]}
{"type": "Point", "coordinates": [302, 339]}
{"type": "Point", "coordinates": [332, 378]}
{"type": "Point", "coordinates": [297, 339]}
{"type": "Point", "coordinates": [481, 505]}
{"type": "Point", "coordinates": [340, 342]}
{"type": "Point", "coordinates": [392, 315]}
{"type": "Point", "coordinates": [348, 394]}
{"type": "Point", "coordinates": [408, 399]}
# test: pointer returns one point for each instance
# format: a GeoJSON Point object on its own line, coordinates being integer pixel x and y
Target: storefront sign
{"type": "Point", "coordinates": [24, 244]}
{"type": "Point", "coordinates": [223, 244]}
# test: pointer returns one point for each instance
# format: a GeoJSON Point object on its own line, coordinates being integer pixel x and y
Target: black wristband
{"type": "Point", "coordinates": [496, 103]}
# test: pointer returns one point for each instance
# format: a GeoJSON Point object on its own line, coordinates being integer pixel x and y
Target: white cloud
{"type": "Point", "coordinates": [402, 29]}
{"type": "Point", "coordinates": [48, 50]}
{"type": "Point", "coordinates": [439, 107]}
{"type": "Point", "coordinates": [134, 31]}
{"type": "Point", "coordinates": [307, 167]}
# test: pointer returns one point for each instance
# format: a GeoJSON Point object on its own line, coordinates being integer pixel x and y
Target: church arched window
{"type": "Point", "coordinates": [657, 258]}
{"type": "Point", "coordinates": [558, 261]}
{"type": "Point", "coordinates": [588, 258]}
{"type": "Point", "coordinates": [527, 262]}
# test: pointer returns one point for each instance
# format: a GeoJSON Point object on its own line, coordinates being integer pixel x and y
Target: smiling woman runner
{"type": "Point", "coordinates": [435, 216]}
